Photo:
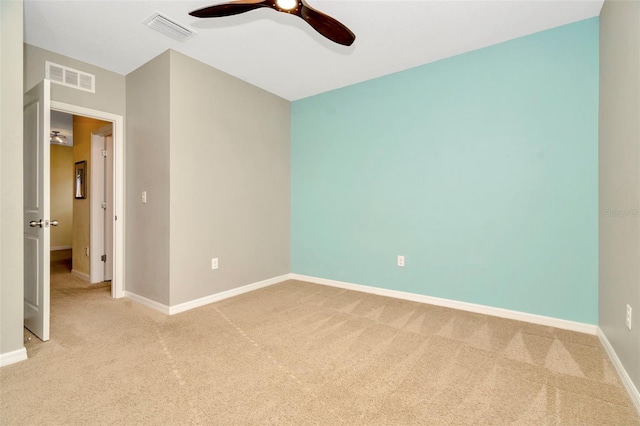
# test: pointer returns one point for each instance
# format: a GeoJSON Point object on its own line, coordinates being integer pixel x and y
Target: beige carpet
{"type": "Point", "coordinates": [303, 354]}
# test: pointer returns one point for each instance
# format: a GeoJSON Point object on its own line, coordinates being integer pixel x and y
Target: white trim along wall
{"type": "Point", "coordinates": [470, 307]}
{"type": "Point", "coordinates": [463, 306]}
{"type": "Point", "coordinates": [8, 358]}
{"type": "Point", "coordinates": [633, 392]}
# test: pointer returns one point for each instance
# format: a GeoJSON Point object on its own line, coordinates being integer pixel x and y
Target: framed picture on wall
{"type": "Point", "coordinates": [80, 181]}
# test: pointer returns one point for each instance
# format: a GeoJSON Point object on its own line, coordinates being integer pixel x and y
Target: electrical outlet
{"type": "Point", "coordinates": [144, 197]}
{"type": "Point", "coordinates": [629, 317]}
{"type": "Point", "coordinates": [401, 261]}
{"type": "Point", "coordinates": [86, 251]}
{"type": "Point", "coordinates": [214, 263]}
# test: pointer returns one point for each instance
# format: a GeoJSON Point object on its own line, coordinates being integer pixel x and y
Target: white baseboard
{"type": "Point", "coordinates": [13, 357]}
{"type": "Point", "coordinates": [147, 302]}
{"type": "Point", "coordinates": [176, 309]}
{"type": "Point", "coordinates": [632, 390]}
{"type": "Point", "coordinates": [192, 304]}
{"type": "Point", "coordinates": [56, 248]}
{"type": "Point", "coordinates": [81, 275]}
{"type": "Point", "coordinates": [464, 306]}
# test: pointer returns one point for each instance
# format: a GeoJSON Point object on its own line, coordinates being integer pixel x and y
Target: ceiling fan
{"type": "Point", "coordinates": [324, 24]}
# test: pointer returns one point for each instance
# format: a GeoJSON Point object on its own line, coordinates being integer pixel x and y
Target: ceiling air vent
{"type": "Point", "coordinates": [69, 77]}
{"type": "Point", "coordinates": [169, 27]}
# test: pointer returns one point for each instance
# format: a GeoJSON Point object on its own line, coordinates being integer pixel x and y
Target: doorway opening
{"type": "Point", "coordinates": [99, 254]}
{"type": "Point", "coordinates": [81, 187]}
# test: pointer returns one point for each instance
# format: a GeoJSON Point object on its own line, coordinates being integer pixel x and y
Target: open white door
{"type": "Point", "coordinates": [36, 210]}
{"type": "Point", "coordinates": [102, 201]}
{"type": "Point", "coordinates": [108, 225]}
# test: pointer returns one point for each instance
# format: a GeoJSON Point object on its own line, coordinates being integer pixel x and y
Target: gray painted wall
{"type": "Point", "coordinates": [230, 181]}
{"type": "Point", "coordinates": [11, 257]}
{"type": "Point", "coordinates": [619, 158]}
{"type": "Point", "coordinates": [147, 169]}
{"type": "Point", "coordinates": [167, 150]}
{"type": "Point", "coordinates": [110, 87]}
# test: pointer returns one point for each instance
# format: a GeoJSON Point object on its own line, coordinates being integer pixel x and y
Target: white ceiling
{"type": "Point", "coordinates": [283, 54]}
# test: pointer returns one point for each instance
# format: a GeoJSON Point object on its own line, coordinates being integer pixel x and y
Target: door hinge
{"type": "Point", "coordinates": [103, 258]}
{"type": "Point", "coordinates": [104, 152]}
{"type": "Point", "coordinates": [104, 205]}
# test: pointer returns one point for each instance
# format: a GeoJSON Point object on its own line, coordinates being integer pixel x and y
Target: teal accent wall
{"type": "Point", "coordinates": [481, 169]}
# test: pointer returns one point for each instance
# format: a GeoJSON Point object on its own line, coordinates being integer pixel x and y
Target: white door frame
{"type": "Point", "coordinates": [117, 283]}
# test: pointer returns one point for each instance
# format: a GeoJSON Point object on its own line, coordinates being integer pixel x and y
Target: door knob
{"type": "Point", "coordinates": [35, 224]}
{"type": "Point", "coordinates": [54, 223]}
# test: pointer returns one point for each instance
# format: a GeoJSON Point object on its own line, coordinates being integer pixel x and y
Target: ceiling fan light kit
{"type": "Point", "coordinates": [57, 138]}
{"type": "Point", "coordinates": [324, 24]}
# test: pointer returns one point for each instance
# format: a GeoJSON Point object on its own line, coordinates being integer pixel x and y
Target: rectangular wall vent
{"type": "Point", "coordinates": [169, 27]}
{"type": "Point", "coordinates": [69, 77]}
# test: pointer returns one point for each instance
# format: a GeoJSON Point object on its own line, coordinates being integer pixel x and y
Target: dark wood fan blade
{"type": "Point", "coordinates": [228, 9]}
{"type": "Point", "coordinates": [327, 26]}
